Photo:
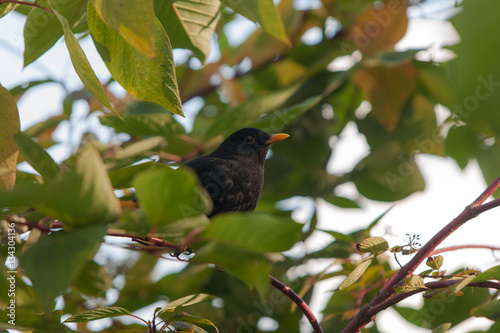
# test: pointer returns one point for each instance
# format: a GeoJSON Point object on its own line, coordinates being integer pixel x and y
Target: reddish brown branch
{"type": "Point", "coordinates": [487, 193]}
{"type": "Point", "coordinates": [487, 206]}
{"type": "Point", "coordinates": [287, 291]}
{"type": "Point", "coordinates": [460, 247]}
{"type": "Point", "coordinates": [368, 311]}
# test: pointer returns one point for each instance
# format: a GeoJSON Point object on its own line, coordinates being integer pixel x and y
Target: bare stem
{"type": "Point", "coordinates": [297, 300]}
{"type": "Point", "coordinates": [460, 247]}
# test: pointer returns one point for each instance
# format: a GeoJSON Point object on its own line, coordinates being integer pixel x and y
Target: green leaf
{"type": "Point", "coordinates": [137, 292]}
{"type": "Point", "coordinates": [18, 91]}
{"type": "Point", "coordinates": [373, 245]}
{"type": "Point", "coordinates": [378, 219]}
{"type": "Point", "coordinates": [494, 328]}
{"type": "Point", "coordinates": [94, 280]}
{"type": "Point", "coordinates": [451, 310]}
{"type": "Point", "coordinates": [356, 272]}
{"type": "Point", "coordinates": [333, 250]}
{"type": "Point", "coordinates": [341, 202]}
{"type": "Point", "coordinates": [442, 328]}
{"type": "Point", "coordinates": [412, 283]}
{"type": "Point", "coordinates": [6, 8]}
{"type": "Point", "coordinates": [98, 313]}
{"type": "Point", "coordinates": [36, 156]}
{"type": "Point", "coordinates": [43, 29]}
{"type": "Point", "coordinates": [84, 195]}
{"type": "Point", "coordinates": [183, 302]}
{"type": "Point", "coordinates": [451, 290]}
{"type": "Point", "coordinates": [462, 144]}
{"type": "Point", "coordinates": [254, 232]}
{"type": "Point", "coordinates": [339, 237]}
{"type": "Point", "coordinates": [490, 310]}
{"type": "Point", "coordinates": [249, 266]}
{"type": "Point", "coordinates": [475, 70]}
{"type": "Point", "coordinates": [263, 12]}
{"type": "Point", "coordinates": [30, 320]}
{"type": "Point", "coordinates": [388, 174]}
{"type": "Point", "coordinates": [168, 195]}
{"type": "Point", "coordinates": [436, 80]}
{"type": "Point", "coordinates": [47, 125]}
{"type": "Point", "coordinates": [145, 119]}
{"type": "Point", "coordinates": [395, 57]}
{"type": "Point", "coordinates": [149, 79]}
{"type": "Point", "coordinates": [181, 321]}
{"type": "Point", "coordinates": [132, 19]}
{"type": "Point", "coordinates": [488, 159]}
{"type": "Point", "coordinates": [9, 125]}
{"type": "Point", "coordinates": [491, 274]}
{"type": "Point", "coordinates": [189, 24]}
{"type": "Point", "coordinates": [282, 118]}
{"type": "Point", "coordinates": [66, 253]}
{"type": "Point", "coordinates": [80, 61]}
{"type": "Point", "coordinates": [245, 114]}
{"type": "Point", "coordinates": [122, 178]}
{"type": "Point", "coordinates": [435, 262]}
{"type": "Point", "coordinates": [135, 152]}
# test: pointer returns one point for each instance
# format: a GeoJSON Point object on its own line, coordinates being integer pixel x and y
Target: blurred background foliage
{"type": "Point", "coordinates": [309, 71]}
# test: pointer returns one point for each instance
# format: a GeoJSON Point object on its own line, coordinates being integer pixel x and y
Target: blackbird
{"type": "Point", "coordinates": [233, 174]}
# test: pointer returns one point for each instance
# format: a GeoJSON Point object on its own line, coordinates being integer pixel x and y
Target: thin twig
{"type": "Point", "coordinates": [460, 247]}
{"type": "Point", "coordinates": [286, 290]}
{"type": "Point", "coordinates": [151, 241]}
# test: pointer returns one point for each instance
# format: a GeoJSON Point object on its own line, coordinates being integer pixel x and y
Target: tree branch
{"type": "Point", "coordinates": [368, 311]}
{"type": "Point", "coordinates": [286, 290]}
{"type": "Point", "coordinates": [152, 242]}
{"type": "Point", "coordinates": [460, 247]}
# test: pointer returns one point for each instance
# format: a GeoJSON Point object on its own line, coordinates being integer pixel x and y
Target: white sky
{"type": "Point", "coordinates": [448, 189]}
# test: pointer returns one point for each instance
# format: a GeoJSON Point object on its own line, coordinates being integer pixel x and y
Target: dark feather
{"type": "Point", "coordinates": [233, 174]}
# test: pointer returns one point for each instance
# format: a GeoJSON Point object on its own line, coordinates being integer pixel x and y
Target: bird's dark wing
{"type": "Point", "coordinates": [230, 186]}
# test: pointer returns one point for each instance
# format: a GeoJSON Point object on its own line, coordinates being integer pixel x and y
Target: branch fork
{"type": "Point", "coordinates": [384, 298]}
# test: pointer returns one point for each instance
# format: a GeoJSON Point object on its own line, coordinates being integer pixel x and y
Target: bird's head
{"type": "Point", "coordinates": [249, 143]}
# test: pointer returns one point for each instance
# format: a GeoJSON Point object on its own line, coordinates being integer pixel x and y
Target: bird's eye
{"type": "Point", "coordinates": [249, 139]}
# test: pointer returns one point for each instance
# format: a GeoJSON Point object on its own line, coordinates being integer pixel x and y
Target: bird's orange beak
{"type": "Point", "coordinates": [277, 137]}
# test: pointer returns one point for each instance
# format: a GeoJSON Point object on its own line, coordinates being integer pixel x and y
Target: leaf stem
{"type": "Point", "coordinates": [460, 247]}
{"type": "Point", "coordinates": [287, 291]}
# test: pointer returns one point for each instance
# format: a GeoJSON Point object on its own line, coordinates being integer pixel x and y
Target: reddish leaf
{"type": "Point", "coordinates": [378, 28]}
